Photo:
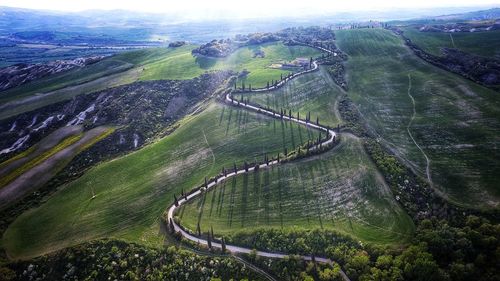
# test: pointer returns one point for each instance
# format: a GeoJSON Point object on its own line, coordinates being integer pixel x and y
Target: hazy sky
{"type": "Point", "coordinates": [239, 7]}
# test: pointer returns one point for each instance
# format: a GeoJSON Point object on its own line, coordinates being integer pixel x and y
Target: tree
{"type": "Point", "coordinates": [209, 241]}
{"type": "Point", "coordinates": [171, 224]}
{"type": "Point", "coordinates": [223, 245]}
{"type": "Point", "coordinates": [243, 85]}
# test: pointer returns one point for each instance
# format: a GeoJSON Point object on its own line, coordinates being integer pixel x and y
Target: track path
{"type": "Point", "coordinates": [428, 161]}
{"type": "Point", "coordinates": [212, 184]}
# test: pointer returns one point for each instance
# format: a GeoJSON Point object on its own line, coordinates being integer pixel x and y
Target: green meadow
{"type": "Point", "coordinates": [484, 43]}
{"type": "Point", "coordinates": [456, 122]}
{"type": "Point", "coordinates": [133, 191]}
{"type": "Point", "coordinates": [339, 190]}
{"type": "Point", "coordinates": [312, 93]}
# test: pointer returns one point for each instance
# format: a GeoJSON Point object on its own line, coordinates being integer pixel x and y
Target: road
{"type": "Point", "coordinates": [237, 249]}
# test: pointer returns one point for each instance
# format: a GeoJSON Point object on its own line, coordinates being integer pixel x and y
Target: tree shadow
{"type": "Point", "coordinates": [231, 201]}
{"type": "Point", "coordinates": [267, 195]}
{"type": "Point", "coordinates": [244, 200]}
{"type": "Point", "coordinates": [220, 201]}
{"type": "Point", "coordinates": [222, 115]}
{"type": "Point", "coordinates": [205, 62]}
{"type": "Point", "coordinates": [229, 120]}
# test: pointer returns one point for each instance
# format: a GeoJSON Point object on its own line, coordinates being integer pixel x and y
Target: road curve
{"type": "Point", "coordinates": [237, 249]}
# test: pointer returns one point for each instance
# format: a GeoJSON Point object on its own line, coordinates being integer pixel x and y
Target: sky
{"type": "Point", "coordinates": [240, 7]}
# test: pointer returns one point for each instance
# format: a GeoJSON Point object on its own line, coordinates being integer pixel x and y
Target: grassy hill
{"type": "Point", "coordinates": [132, 192]}
{"type": "Point", "coordinates": [456, 122]}
{"type": "Point", "coordinates": [184, 65]}
{"type": "Point", "coordinates": [340, 190]}
{"type": "Point", "coordinates": [313, 92]}
{"type": "Point", "coordinates": [148, 64]}
{"type": "Point", "coordinates": [479, 43]}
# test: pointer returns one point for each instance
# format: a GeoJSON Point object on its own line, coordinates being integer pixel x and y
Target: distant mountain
{"type": "Point", "coordinates": [476, 15]}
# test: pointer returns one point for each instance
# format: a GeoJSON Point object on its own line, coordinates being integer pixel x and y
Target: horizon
{"type": "Point", "coordinates": [226, 9]}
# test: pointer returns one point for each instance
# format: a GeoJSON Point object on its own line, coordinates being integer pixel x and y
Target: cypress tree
{"type": "Point", "coordinates": [223, 245]}
{"type": "Point", "coordinates": [176, 202]}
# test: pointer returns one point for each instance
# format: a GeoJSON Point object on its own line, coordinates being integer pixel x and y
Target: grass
{"type": "Point", "coordinates": [312, 92]}
{"type": "Point", "coordinates": [339, 190]}
{"type": "Point", "coordinates": [147, 64]}
{"type": "Point", "coordinates": [183, 64]}
{"type": "Point", "coordinates": [132, 192]}
{"type": "Point", "coordinates": [456, 122]}
{"type": "Point", "coordinates": [486, 43]}
{"type": "Point", "coordinates": [67, 78]}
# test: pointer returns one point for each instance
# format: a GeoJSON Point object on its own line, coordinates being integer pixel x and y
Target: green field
{"type": "Point", "coordinates": [132, 192]}
{"type": "Point", "coordinates": [456, 124]}
{"type": "Point", "coordinates": [340, 190]}
{"type": "Point", "coordinates": [147, 64]}
{"type": "Point", "coordinates": [68, 78]}
{"type": "Point", "coordinates": [312, 92]}
{"type": "Point", "coordinates": [184, 65]}
{"type": "Point", "coordinates": [486, 43]}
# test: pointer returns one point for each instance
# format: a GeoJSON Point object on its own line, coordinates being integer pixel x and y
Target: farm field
{"type": "Point", "coordinates": [421, 112]}
{"type": "Point", "coordinates": [314, 92]}
{"type": "Point", "coordinates": [479, 43]}
{"type": "Point", "coordinates": [28, 171]}
{"type": "Point", "coordinates": [132, 192]}
{"type": "Point", "coordinates": [339, 190]}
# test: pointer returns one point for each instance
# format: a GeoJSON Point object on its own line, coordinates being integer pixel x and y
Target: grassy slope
{"type": "Point", "coordinates": [457, 122]}
{"type": "Point", "coordinates": [312, 92]}
{"type": "Point", "coordinates": [480, 43]}
{"type": "Point", "coordinates": [338, 190]}
{"type": "Point", "coordinates": [133, 191]}
{"type": "Point", "coordinates": [184, 65]}
{"type": "Point", "coordinates": [147, 64]}
{"type": "Point", "coordinates": [68, 78]}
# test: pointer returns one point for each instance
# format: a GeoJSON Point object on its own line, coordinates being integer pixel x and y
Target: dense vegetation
{"type": "Point", "coordinates": [117, 260]}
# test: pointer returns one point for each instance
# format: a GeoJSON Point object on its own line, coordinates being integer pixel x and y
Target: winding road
{"type": "Point", "coordinates": [211, 184]}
